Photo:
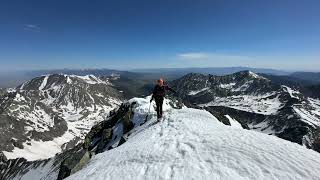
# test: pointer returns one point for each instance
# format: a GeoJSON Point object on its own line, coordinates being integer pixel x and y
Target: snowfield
{"type": "Point", "coordinates": [193, 144]}
{"type": "Point", "coordinates": [262, 104]}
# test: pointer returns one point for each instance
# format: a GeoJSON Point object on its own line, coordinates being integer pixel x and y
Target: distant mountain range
{"type": "Point", "coordinates": [149, 75]}
{"type": "Point", "coordinates": [307, 76]}
{"type": "Point", "coordinates": [210, 70]}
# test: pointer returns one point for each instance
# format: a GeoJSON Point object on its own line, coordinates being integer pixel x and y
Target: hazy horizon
{"type": "Point", "coordinates": [3, 72]}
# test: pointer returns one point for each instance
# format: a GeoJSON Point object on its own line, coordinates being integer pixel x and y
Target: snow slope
{"type": "Point", "coordinates": [193, 144]}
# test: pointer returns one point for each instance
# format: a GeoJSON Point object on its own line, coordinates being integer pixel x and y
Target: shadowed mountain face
{"type": "Point", "coordinates": [52, 113]}
{"type": "Point", "coordinates": [307, 76]}
{"type": "Point", "coordinates": [312, 91]}
{"type": "Point", "coordinates": [2, 91]}
{"type": "Point", "coordinates": [257, 103]}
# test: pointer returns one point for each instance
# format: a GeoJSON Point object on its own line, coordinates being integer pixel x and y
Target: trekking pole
{"type": "Point", "coordinates": [148, 113]}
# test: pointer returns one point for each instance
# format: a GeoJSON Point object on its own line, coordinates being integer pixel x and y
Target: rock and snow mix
{"type": "Point", "coordinates": [309, 113]}
{"type": "Point", "coordinates": [227, 86]}
{"type": "Point", "coordinates": [90, 79]}
{"type": "Point", "coordinates": [193, 144]}
{"type": "Point", "coordinates": [233, 123]}
{"type": "Point", "coordinates": [198, 91]}
{"type": "Point", "coordinates": [257, 103]}
{"type": "Point", "coordinates": [293, 93]}
{"type": "Point", "coordinates": [264, 104]}
{"type": "Point", "coordinates": [76, 103]}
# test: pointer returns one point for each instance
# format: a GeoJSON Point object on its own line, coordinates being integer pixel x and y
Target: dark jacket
{"type": "Point", "coordinates": [160, 91]}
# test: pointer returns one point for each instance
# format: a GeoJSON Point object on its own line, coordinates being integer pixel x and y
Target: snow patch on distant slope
{"type": "Point", "coordinates": [315, 104]}
{"type": "Point", "coordinates": [311, 118]}
{"type": "Point", "coordinates": [22, 86]}
{"type": "Point", "coordinates": [90, 79]}
{"type": "Point", "coordinates": [262, 104]}
{"type": "Point", "coordinates": [254, 75]}
{"type": "Point", "coordinates": [293, 93]}
{"type": "Point", "coordinates": [44, 82]}
{"type": "Point", "coordinates": [36, 150]}
{"type": "Point", "coordinates": [19, 97]}
{"type": "Point", "coordinates": [264, 127]}
{"type": "Point", "coordinates": [69, 81]}
{"type": "Point", "coordinates": [227, 86]}
{"type": "Point", "coordinates": [309, 111]}
{"type": "Point", "coordinates": [193, 144]}
{"type": "Point", "coordinates": [198, 91]}
{"type": "Point", "coordinates": [243, 87]}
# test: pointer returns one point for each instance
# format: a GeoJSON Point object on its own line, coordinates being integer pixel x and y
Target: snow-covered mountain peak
{"type": "Point", "coordinates": [193, 144]}
{"type": "Point", "coordinates": [204, 88]}
{"type": "Point", "coordinates": [52, 111]}
{"type": "Point", "coordinates": [54, 81]}
{"type": "Point", "coordinates": [248, 75]}
{"type": "Point", "coordinates": [257, 76]}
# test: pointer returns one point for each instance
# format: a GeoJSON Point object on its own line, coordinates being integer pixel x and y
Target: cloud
{"type": "Point", "coordinates": [193, 56]}
{"type": "Point", "coordinates": [31, 27]}
{"type": "Point", "coordinates": [210, 56]}
{"type": "Point", "coordinates": [213, 59]}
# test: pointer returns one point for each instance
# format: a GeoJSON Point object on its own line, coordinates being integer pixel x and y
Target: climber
{"type": "Point", "coordinates": [158, 94]}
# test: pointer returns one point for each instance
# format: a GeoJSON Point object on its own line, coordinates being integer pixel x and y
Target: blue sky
{"type": "Point", "coordinates": [126, 34]}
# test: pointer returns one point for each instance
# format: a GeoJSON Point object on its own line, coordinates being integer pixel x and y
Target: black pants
{"type": "Point", "coordinates": [159, 103]}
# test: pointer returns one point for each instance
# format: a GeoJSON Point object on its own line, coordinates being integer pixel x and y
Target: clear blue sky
{"type": "Point", "coordinates": [125, 34]}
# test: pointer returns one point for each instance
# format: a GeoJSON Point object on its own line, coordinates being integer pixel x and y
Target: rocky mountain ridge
{"type": "Point", "coordinates": [257, 103]}
{"type": "Point", "coordinates": [241, 100]}
{"type": "Point", "coordinates": [53, 111]}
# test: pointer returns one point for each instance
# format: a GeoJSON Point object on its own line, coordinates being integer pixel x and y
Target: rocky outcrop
{"type": "Point", "coordinates": [100, 138]}
{"type": "Point", "coordinates": [73, 162]}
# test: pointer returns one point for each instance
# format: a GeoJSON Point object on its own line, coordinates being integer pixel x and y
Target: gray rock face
{"type": "Point", "coordinates": [103, 136]}
{"type": "Point", "coordinates": [54, 112]}
{"type": "Point", "coordinates": [256, 103]}
{"type": "Point", "coordinates": [41, 169]}
{"type": "Point", "coordinates": [2, 91]}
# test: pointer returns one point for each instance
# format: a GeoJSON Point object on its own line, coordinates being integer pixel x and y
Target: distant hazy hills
{"type": "Point", "coordinates": [212, 70]}
{"type": "Point", "coordinates": [13, 79]}
{"type": "Point", "coordinates": [307, 76]}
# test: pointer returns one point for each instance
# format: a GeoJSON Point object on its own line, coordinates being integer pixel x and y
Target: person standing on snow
{"type": "Point", "coordinates": [158, 94]}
